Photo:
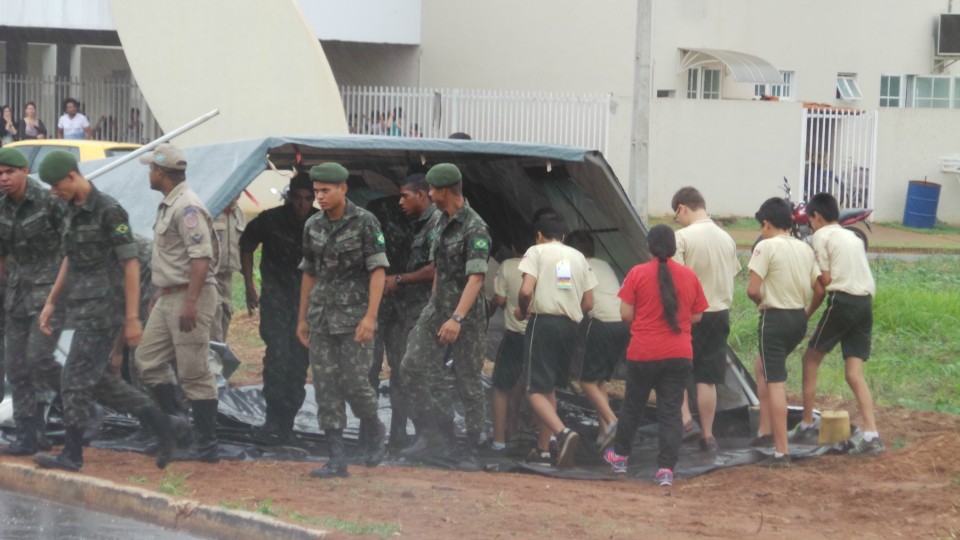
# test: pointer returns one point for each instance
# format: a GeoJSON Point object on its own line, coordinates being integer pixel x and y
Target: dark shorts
{"type": "Point", "coordinates": [710, 347]}
{"type": "Point", "coordinates": [605, 346]}
{"type": "Point", "coordinates": [848, 320]}
{"type": "Point", "coordinates": [547, 348]}
{"type": "Point", "coordinates": [780, 331]}
{"type": "Point", "coordinates": [509, 365]}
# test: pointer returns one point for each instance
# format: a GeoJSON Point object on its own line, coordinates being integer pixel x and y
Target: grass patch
{"type": "Point", "coordinates": [939, 228]}
{"type": "Point", "coordinates": [176, 485]}
{"type": "Point", "coordinates": [915, 360]}
{"type": "Point", "coordinates": [137, 479]}
{"type": "Point", "coordinates": [349, 526]}
{"type": "Point", "coordinates": [249, 504]}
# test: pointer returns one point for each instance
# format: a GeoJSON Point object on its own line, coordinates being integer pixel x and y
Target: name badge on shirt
{"type": "Point", "coordinates": [564, 276]}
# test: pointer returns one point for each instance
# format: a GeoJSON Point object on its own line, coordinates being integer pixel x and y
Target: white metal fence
{"type": "Point", "coordinates": [537, 117]}
{"type": "Point", "coordinates": [839, 155]}
{"type": "Point", "coordinates": [116, 108]}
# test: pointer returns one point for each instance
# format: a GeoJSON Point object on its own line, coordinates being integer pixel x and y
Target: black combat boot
{"type": "Point", "coordinates": [43, 443]}
{"type": "Point", "coordinates": [204, 447]}
{"type": "Point", "coordinates": [277, 428]}
{"type": "Point", "coordinates": [26, 443]}
{"type": "Point", "coordinates": [429, 441]}
{"type": "Point", "coordinates": [168, 429]}
{"type": "Point", "coordinates": [166, 397]}
{"type": "Point", "coordinates": [375, 447]}
{"type": "Point", "coordinates": [70, 458]}
{"type": "Point", "coordinates": [398, 420]}
{"type": "Point", "coordinates": [336, 466]}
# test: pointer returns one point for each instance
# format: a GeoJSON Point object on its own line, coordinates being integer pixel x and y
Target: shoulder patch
{"type": "Point", "coordinates": [380, 239]}
{"type": "Point", "coordinates": [121, 229]}
{"type": "Point", "coordinates": [480, 243]}
{"type": "Point", "coordinates": [191, 217]}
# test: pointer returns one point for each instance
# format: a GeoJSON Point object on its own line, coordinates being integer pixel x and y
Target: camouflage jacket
{"type": "Point", "coordinates": [96, 239]}
{"type": "Point", "coordinates": [341, 254]}
{"type": "Point", "coordinates": [30, 241]}
{"type": "Point", "coordinates": [461, 247]}
{"type": "Point", "coordinates": [414, 297]}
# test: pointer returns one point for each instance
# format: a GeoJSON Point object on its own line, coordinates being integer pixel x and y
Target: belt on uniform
{"type": "Point", "coordinates": [175, 288]}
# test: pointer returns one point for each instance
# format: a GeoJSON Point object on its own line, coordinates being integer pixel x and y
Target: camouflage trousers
{"type": "Point", "coordinates": [220, 326]}
{"type": "Point", "coordinates": [31, 367]}
{"type": "Point", "coordinates": [86, 380]}
{"type": "Point", "coordinates": [285, 360]}
{"type": "Point", "coordinates": [392, 340]}
{"type": "Point", "coordinates": [339, 366]}
{"type": "Point", "coordinates": [423, 370]}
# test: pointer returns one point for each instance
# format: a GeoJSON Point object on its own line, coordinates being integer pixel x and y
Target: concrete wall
{"type": "Point", "coordinates": [910, 143]}
{"type": "Point", "coordinates": [100, 63]}
{"type": "Point", "coordinates": [368, 21]}
{"type": "Point", "coordinates": [373, 64]}
{"type": "Point", "coordinates": [556, 45]}
{"type": "Point", "coordinates": [735, 152]}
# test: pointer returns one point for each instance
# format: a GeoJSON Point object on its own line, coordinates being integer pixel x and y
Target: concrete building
{"type": "Point", "coordinates": [685, 108]}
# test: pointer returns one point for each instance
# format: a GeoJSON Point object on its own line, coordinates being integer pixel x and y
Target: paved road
{"type": "Point", "coordinates": [27, 518]}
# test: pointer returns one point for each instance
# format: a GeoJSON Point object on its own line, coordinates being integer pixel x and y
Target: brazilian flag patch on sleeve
{"type": "Point", "coordinates": [380, 240]}
{"type": "Point", "coordinates": [121, 229]}
{"type": "Point", "coordinates": [481, 243]}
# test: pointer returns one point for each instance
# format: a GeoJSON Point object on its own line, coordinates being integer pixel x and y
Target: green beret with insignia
{"type": "Point", "coordinates": [56, 166]}
{"type": "Point", "coordinates": [12, 157]}
{"type": "Point", "coordinates": [329, 173]}
{"type": "Point", "coordinates": [444, 175]}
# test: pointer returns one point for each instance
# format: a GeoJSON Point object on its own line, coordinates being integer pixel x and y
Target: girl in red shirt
{"type": "Point", "coordinates": [660, 299]}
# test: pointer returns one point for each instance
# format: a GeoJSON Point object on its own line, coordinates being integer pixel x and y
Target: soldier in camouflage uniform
{"type": "Point", "coordinates": [285, 361]}
{"type": "Point", "coordinates": [410, 289]}
{"type": "Point", "coordinates": [100, 265]}
{"type": "Point", "coordinates": [31, 220]}
{"type": "Point", "coordinates": [228, 226]}
{"type": "Point", "coordinates": [452, 318]}
{"type": "Point", "coordinates": [343, 269]}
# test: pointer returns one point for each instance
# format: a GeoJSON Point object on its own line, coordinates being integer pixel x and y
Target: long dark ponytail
{"type": "Point", "coordinates": [662, 245]}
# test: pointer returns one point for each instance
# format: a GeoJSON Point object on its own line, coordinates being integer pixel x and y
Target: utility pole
{"type": "Point", "coordinates": [639, 180]}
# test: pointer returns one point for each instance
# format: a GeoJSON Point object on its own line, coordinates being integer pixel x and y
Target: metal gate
{"type": "Point", "coordinates": [839, 155]}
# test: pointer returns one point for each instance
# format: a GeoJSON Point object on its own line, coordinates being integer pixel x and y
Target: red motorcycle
{"type": "Point", "coordinates": [802, 230]}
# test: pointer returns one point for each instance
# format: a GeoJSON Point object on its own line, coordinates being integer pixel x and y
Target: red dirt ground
{"type": "Point", "coordinates": [912, 490]}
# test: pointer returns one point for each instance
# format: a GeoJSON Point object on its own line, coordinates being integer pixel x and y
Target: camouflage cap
{"type": "Point", "coordinates": [444, 175]}
{"type": "Point", "coordinates": [329, 173]}
{"type": "Point", "coordinates": [13, 158]}
{"type": "Point", "coordinates": [56, 166]}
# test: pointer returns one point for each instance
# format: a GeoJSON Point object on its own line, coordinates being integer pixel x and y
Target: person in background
{"type": "Point", "coordinates": [30, 127]}
{"type": "Point", "coordinates": [783, 279]}
{"type": "Point", "coordinates": [228, 226]}
{"type": "Point", "coordinates": [8, 126]}
{"type": "Point", "coordinates": [73, 124]}
{"type": "Point", "coordinates": [662, 300]}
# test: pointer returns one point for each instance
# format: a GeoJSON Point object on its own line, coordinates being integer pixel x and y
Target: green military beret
{"type": "Point", "coordinates": [56, 166]}
{"type": "Point", "coordinates": [444, 175]}
{"type": "Point", "coordinates": [13, 158]}
{"type": "Point", "coordinates": [329, 173]}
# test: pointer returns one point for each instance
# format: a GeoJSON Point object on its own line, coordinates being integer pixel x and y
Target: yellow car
{"type": "Point", "coordinates": [84, 150]}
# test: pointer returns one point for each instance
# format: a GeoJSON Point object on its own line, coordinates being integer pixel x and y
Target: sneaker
{"type": "Point", "coordinates": [774, 462]}
{"type": "Point", "coordinates": [664, 477]}
{"type": "Point", "coordinates": [709, 445]}
{"type": "Point", "coordinates": [691, 430]}
{"type": "Point", "coordinates": [606, 438]}
{"type": "Point", "coordinates": [859, 446]}
{"type": "Point", "coordinates": [567, 442]}
{"type": "Point", "coordinates": [617, 462]}
{"type": "Point", "coordinates": [762, 441]}
{"type": "Point", "coordinates": [805, 434]}
{"type": "Point", "coordinates": [537, 457]}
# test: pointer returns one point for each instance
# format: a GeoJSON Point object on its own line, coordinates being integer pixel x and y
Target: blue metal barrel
{"type": "Point", "coordinates": [921, 208]}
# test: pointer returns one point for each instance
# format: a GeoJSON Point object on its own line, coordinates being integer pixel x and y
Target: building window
{"type": "Point", "coordinates": [932, 92]}
{"type": "Point", "coordinates": [703, 83]}
{"type": "Point", "coordinates": [847, 87]}
{"type": "Point", "coordinates": [890, 91]}
{"type": "Point", "coordinates": [783, 91]}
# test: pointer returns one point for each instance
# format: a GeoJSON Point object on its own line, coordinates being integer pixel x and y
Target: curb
{"type": "Point", "coordinates": [178, 514]}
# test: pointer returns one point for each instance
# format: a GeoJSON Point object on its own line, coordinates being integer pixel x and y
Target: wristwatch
{"type": "Point", "coordinates": [399, 278]}
{"type": "Point", "coordinates": [456, 318]}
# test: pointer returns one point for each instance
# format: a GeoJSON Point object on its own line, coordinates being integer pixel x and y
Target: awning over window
{"type": "Point", "coordinates": [745, 68]}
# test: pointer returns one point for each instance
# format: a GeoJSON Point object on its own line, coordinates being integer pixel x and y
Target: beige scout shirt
{"type": "Point", "coordinates": [507, 284]}
{"type": "Point", "coordinates": [606, 303]}
{"type": "Point", "coordinates": [712, 254]}
{"type": "Point", "coordinates": [842, 253]}
{"type": "Point", "coordinates": [788, 270]}
{"type": "Point", "coordinates": [563, 276]}
{"type": "Point", "coordinates": [229, 225]}
{"type": "Point", "coordinates": [183, 231]}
